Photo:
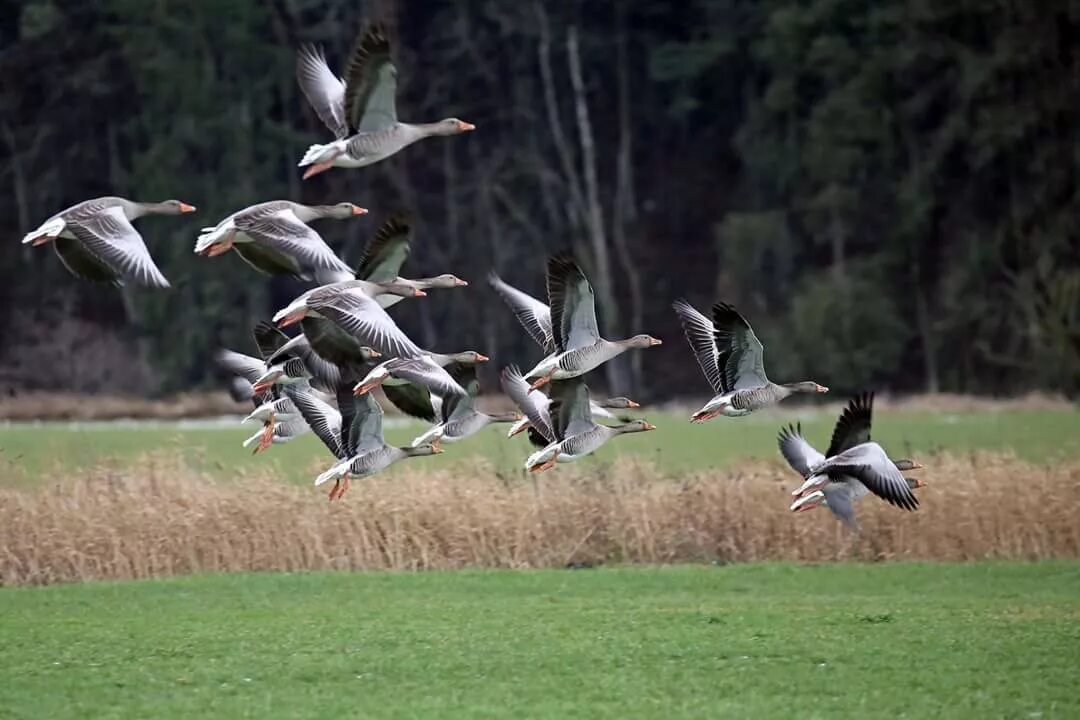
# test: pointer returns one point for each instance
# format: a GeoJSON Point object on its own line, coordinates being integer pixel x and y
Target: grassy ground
{"type": "Point", "coordinates": [29, 451]}
{"type": "Point", "coordinates": [901, 640]}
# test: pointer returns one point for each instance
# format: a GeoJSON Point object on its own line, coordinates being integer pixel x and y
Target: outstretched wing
{"type": "Point", "coordinates": [532, 404]}
{"type": "Point", "coordinates": [573, 308]}
{"type": "Point", "coordinates": [324, 92]}
{"type": "Point", "coordinates": [870, 465]}
{"type": "Point", "coordinates": [570, 413]}
{"type": "Point", "coordinates": [533, 315]}
{"type": "Point", "coordinates": [371, 82]}
{"type": "Point", "coordinates": [285, 233]}
{"type": "Point", "coordinates": [112, 239]}
{"type": "Point", "coordinates": [800, 454]}
{"type": "Point", "coordinates": [853, 426]}
{"type": "Point", "coordinates": [324, 420]}
{"type": "Point", "coordinates": [268, 339]}
{"type": "Point", "coordinates": [701, 334]}
{"type": "Point", "coordinates": [741, 354]}
{"type": "Point", "coordinates": [387, 251]}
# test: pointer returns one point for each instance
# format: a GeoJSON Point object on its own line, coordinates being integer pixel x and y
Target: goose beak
{"type": "Point", "coordinates": [632, 404]}
{"type": "Point", "coordinates": [419, 293]}
{"type": "Point", "coordinates": [649, 426]}
{"type": "Point", "coordinates": [916, 466]}
{"type": "Point", "coordinates": [463, 126]}
{"type": "Point", "coordinates": [480, 357]}
{"type": "Point", "coordinates": [653, 342]}
{"type": "Point", "coordinates": [458, 282]}
{"type": "Point", "coordinates": [372, 352]}
{"type": "Point", "coordinates": [822, 389]}
{"type": "Point", "coordinates": [185, 208]}
{"type": "Point", "coordinates": [436, 447]}
{"type": "Point", "coordinates": [41, 240]}
{"type": "Point", "coordinates": [356, 209]}
{"type": "Point", "coordinates": [292, 319]}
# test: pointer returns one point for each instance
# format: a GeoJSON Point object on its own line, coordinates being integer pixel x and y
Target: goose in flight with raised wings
{"type": "Point", "coordinates": [360, 110]}
{"type": "Point", "coordinates": [851, 467]}
{"type": "Point", "coordinates": [95, 240]}
{"type": "Point", "coordinates": [732, 360]}
{"type": "Point", "coordinates": [578, 346]}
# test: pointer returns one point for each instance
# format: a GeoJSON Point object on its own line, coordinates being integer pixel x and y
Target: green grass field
{"type": "Point", "coordinates": [28, 451]}
{"type": "Point", "coordinates": [898, 640]}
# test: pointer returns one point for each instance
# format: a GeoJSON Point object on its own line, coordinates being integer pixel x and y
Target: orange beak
{"type": "Point", "coordinates": [185, 208]}
{"type": "Point", "coordinates": [463, 126]}
{"type": "Point", "coordinates": [649, 426]}
{"type": "Point", "coordinates": [460, 283]}
{"type": "Point", "coordinates": [480, 357]}
{"type": "Point", "coordinates": [521, 429]}
{"type": "Point", "coordinates": [292, 319]}
{"type": "Point", "coordinates": [822, 389]}
{"type": "Point", "coordinates": [356, 209]}
{"type": "Point", "coordinates": [419, 293]}
{"type": "Point", "coordinates": [654, 341]}
{"type": "Point", "coordinates": [632, 404]}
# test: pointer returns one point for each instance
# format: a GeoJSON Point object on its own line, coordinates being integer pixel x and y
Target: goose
{"type": "Point", "coordinates": [532, 314]}
{"type": "Point", "coordinates": [360, 110]}
{"type": "Point", "coordinates": [354, 435]}
{"type": "Point", "coordinates": [426, 371]}
{"type": "Point", "coordinates": [852, 466]}
{"type": "Point", "coordinates": [361, 317]}
{"type": "Point", "coordinates": [387, 251]}
{"type": "Point", "coordinates": [345, 293]}
{"type": "Point", "coordinates": [274, 238]}
{"type": "Point", "coordinates": [95, 240]}
{"type": "Point", "coordinates": [459, 416]}
{"type": "Point", "coordinates": [731, 358]}
{"type": "Point", "coordinates": [578, 345]}
{"type": "Point", "coordinates": [574, 434]}
{"type": "Point", "coordinates": [537, 404]}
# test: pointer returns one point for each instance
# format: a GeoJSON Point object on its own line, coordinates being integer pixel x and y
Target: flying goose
{"type": "Point", "coordinates": [536, 405]}
{"type": "Point", "coordinates": [851, 467]}
{"type": "Point", "coordinates": [274, 238]}
{"type": "Point", "coordinates": [360, 109]}
{"type": "Point", "coordinates": [731, 357]}
{"type": "Point", "coordinates": [574, 434]}
{"type": "Point", "coordinates": [95, 240]}
{"type": "Point", "coordinates": [354, 435]}
{"type": "Point", "coordinates": [346, 294]}
{"type": "Point", "coordinates": [578, 345]}
{"type": "Point", "coordinates": [387, 251]}
{"type": "Point", "coordinates": [459, 416]}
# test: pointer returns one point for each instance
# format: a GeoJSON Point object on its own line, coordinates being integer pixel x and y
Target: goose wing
{"type": "Point", "coordinates": [459, 405]}
{"type": "Point", "coordinates": [371, 82]}
{"type": "Point", "coordinates": [413, 400]}
{"type": "Point", "coordinates": [533, 315]}
{"type": "Point", "coordinates": [362, 318]}
{"type": "Point", "coordinates": [387, 251]}
{"type": "Point", "coordinates": [573, 308]}
{"type": "Point", "coordinates": [741, 361]}
{"type": "Point", "coordinates": [109, 236]}
{"type": "Point", "coordinates": [425, 373]}
{"type": "Point", "coordinates": [268, 339]}
{"type": "Point", "coordinates": [701, 334]}
{"type": "Point", "coordinates": [800, 454]}
{"type": "Point", "coordinates": [287, 234]}
{"type": "Point", "coordinates": [322, 418]}
{"type": "Point", "coordinates": [324, 91]}
{"type": "Point", "coordinates": [839, 498]}
{"type": "Point", "coordinates": [869, 464]}
{"type": "Point", "coordinates": [241, 365]}
{"type": "Point", "coordinates": [570, 414]}
{"type": "Point", "coordinates": [534, 405]}
{"type": "Point", "coordinates": [853, 426]}
{"type": "Point", "coordinates": [365, 427]}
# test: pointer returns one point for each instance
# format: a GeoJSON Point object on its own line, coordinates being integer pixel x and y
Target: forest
{"type": "Point", "coordinates": [888, 190]}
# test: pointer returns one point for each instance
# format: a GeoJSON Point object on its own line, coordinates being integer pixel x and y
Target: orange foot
{"type": "Point", "coordinates": [542, 381]}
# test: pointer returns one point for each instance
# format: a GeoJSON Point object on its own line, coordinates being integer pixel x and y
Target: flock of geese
{"type": "Point", "coordinates": [321, 379]}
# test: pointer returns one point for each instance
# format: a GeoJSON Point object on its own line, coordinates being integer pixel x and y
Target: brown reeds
{"type": "Point", "coordinates": [160, 518]}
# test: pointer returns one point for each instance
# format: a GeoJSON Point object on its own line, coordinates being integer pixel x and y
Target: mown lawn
{"type": "Point", "coordinates": [883, 641]}
{"type": "Point", "coordinates": [29, 451]}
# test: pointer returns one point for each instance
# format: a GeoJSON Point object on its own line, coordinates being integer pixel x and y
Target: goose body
{"type": "Point", "coordinates": [732, 360]}
{"type": "Point", "coordinates": [275, 239]}
{"type": "Point", "coordinates": [360, 110]}
{"type": "Point", "coordinates": [95, 240]}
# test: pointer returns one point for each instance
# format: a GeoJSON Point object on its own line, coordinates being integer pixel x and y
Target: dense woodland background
{"type": "Point", "coordinates": [888, 189]}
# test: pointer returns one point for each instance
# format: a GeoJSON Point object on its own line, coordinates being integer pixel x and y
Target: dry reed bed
{"type": "Point", "coordinates": [161, 518]}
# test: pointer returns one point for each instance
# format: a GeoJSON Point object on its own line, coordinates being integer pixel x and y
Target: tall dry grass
{"type": "Point", "coordinates": [161, 518]}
